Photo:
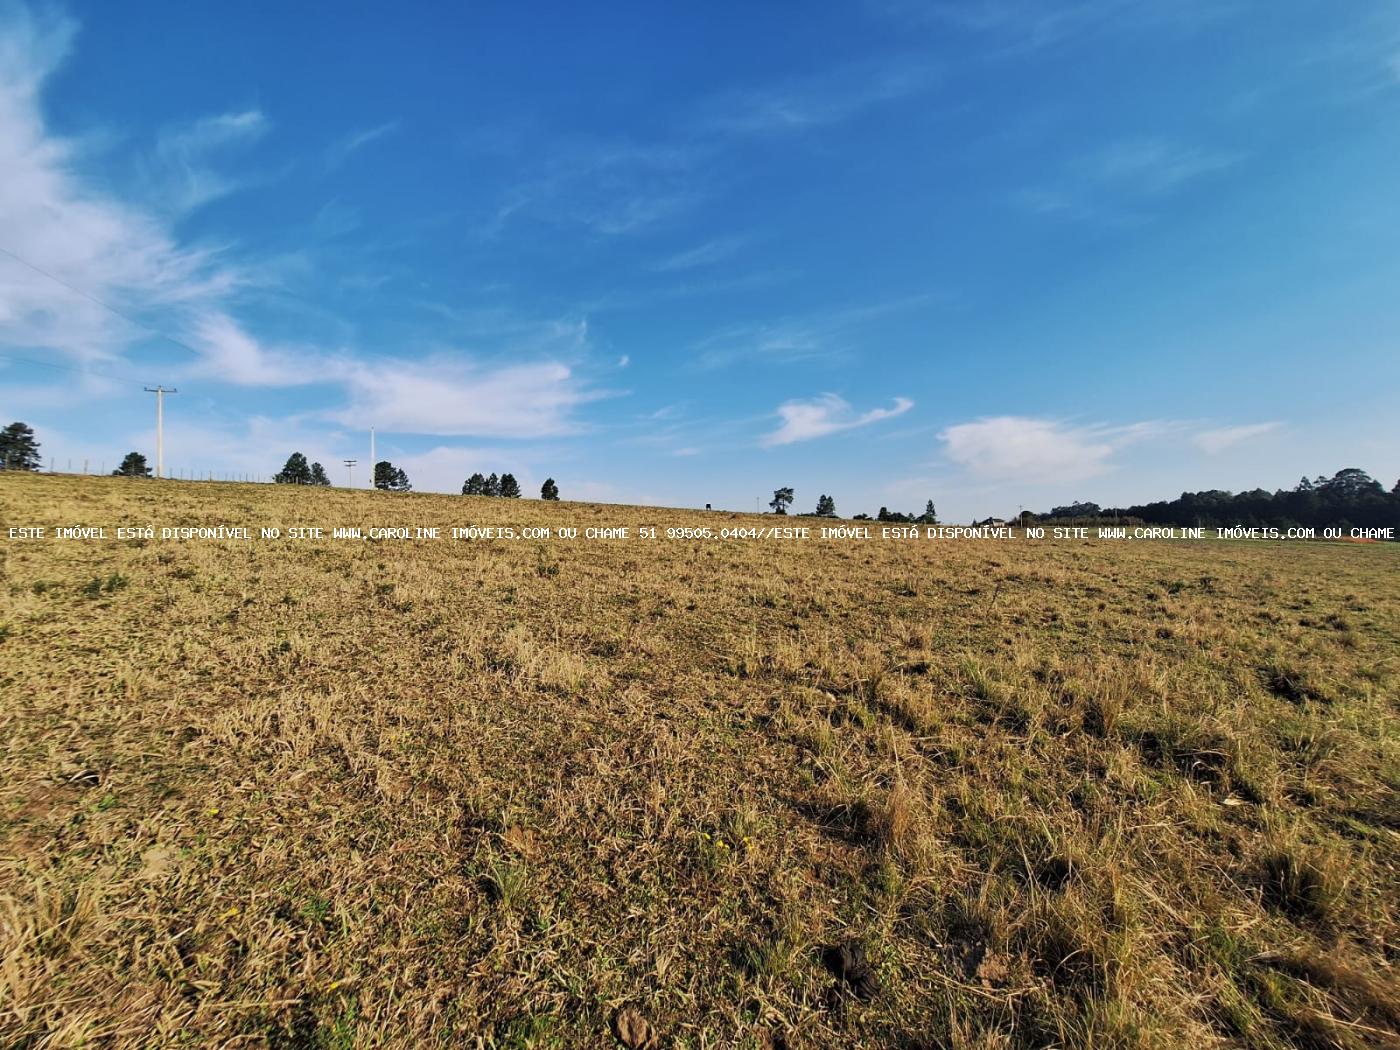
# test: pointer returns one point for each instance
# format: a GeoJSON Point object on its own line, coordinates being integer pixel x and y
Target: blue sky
{"type": "Point", "coordinates": [991, 253]}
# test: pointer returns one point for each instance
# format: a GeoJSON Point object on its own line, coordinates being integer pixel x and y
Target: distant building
{"type": "Point", "coordinates": [994, 523]}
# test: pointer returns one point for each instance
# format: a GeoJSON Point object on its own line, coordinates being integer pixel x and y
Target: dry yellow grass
{"type": "Point", "coordinates": [333, 794]}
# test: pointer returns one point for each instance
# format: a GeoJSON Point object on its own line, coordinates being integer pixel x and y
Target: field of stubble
{"type": "Point", "coordinates": [725, 794]}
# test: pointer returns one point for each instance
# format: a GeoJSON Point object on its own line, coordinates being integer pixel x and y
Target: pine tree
{"type": "Point", "coordinates": [133, 466]}
{"type": "Point", "coordinates": [18, 449]}
{"type": "Point", "coordinates": [826, 506]}
{"type": "Point", "coordinates": [474, 485]}
{"type": "Point", "coordinates": [493, 486]}
{"type": "Point", "coordinates": [510, 488]}
{"type": "Point", "coordinates": [318, 475]}
{"type": "Point", "coordinates": [781, 499]}
{"type": "Point", "coordinates": [929, 516]}
{"type": "Point", "coordinates": [296, 471]}
{"type": "Point", "coordinates": [549, 490]}
{"type": "Point", "coordinates": [390, 478]}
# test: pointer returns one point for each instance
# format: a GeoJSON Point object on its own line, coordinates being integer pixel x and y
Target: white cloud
{"type": "Point", "coordinates": [443, 468]}
{"type": "Point", "coordinates": [1214, 441]}
{"type": "Point", "coordinates": [76, 248]}
{"type": "Point", "coordinates": [1015, 448]}
{"type": "Point", "coordinates": [91, 248]}
{"type": "Point", "coordinates": [455, 396]}
{"type": "Point", "coordinates": [231, 354]}
{"type": "Point", "coordinates": [827, 414]}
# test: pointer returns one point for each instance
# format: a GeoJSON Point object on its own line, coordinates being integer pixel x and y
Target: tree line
{"type": "Point", "coordinates": [1350, 498]}
{"type": "Point", "coordinates": [390, 478]}
{"type": "Point", "coordinates": [504, 486]}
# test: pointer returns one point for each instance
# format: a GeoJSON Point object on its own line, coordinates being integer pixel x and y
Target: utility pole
{"type": "Point", "coordinates": [350, 472]}
{"type": "Point", "coordinates": [371, 457]}
{"type": "Point", "coordinates": [160, 393]}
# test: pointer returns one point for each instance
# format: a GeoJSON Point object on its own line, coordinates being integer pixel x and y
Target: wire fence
{"type": "Point", "coordinates": [99, 468]}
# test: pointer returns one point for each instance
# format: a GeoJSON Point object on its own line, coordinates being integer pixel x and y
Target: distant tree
{"type": "Point", "coordinates": [782, 498]}
{"type": "Point", "coordinates": [474, 485]}
{"type": "Point", "coordinates": [861, 517]}
{"type": "Point", "coordinates": [1086, 510]}
{"type": "Point", "coordinates": [318, 475]}
{"type": "Point", "coordinates": [133, 466]}
{"type": "Point", "coordinates": [390, 478]}
{"type": "Point", "coordinates": [296, 471]}
{"type": "Point", "coordinates": [493, 486]}
{"type": "Point", "coordinates": [1351, 483]}
{"type": "Point", "coordinates": [826, 506]}
{"type": "Point", "coordinates": [549, 490]}
{"type": "Point", "coordinates": [18, 449]}
{"type": "Point", "coordinates": [894, 516]}
{"type": "Point", "coordinates": [929, 516]}
{"type": "Point", "coordinates": [510, 488]}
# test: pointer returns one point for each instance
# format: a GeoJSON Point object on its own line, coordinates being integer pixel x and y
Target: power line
{"type": "Point", "coordinates": [81, 370]}
{"type": "Point", "coordinates": [94, 299]}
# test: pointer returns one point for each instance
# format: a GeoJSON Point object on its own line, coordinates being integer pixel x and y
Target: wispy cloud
{"type": "Point", "coordinates": [712, 251]}
{"type": "Point", "coordinates": [1152, 166]}
{"type": "Point", "coordinates": [819, 336]}
{"type": "Point", "coordinates": [182, 173]}
{"type": "Point", "coordinates": [339, 151]}
{"type": "Point", "coordinates": [827, 414]}
{"type": "Point", "coordinates": [622, 187]}
{"type": "Point", "coordinates": [611, 187]}
{"type": "Point", "coordinates": [1122, 181]}
{"type": "Point", "coordinates": [80, 247]}
{"type": "Point", "coordinates": [1214, 441]}
{"type": "Point", "coordinates": [827, 98]}
{"type": "Point", "coordinates": [95, 248]}
{"type": "Point", "coordinates": [1017, 27]}
{"type": "Point", "coordinates": [1035, 451]}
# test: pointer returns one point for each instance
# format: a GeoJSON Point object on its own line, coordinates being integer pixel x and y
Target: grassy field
{"type": "Point", "coordinates": [531, 794]}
